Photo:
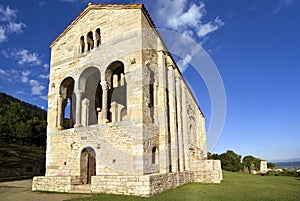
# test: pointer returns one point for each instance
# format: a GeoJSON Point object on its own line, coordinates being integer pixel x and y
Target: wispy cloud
{"type": "Point", "coordinates": [210, 27]}
{"type": "Point", "coordinates": [23, 56]}
{"type": "Point", "coordinates": [3, 72]}
{"type": "Point", "coordinates": [36, 87]}
{"type": "Point", "coordinates": [8, 23]}
{"type": "Point", "coordinates": [188, 18]}
{"type": "Point", "coordinates": [185, 17]}
{"type": "Point", "coordinates": [24, 77]}
{"type": "Point", "coordinates": [43, 76]}
{"type": "Point", "coordinates": [283, 4]}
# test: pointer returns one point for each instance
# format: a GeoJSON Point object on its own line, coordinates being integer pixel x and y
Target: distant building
{"type": "Point", "coordinates": [263, 167]}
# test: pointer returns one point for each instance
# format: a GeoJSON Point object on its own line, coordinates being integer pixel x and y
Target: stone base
{"type": "Point", "coordinates": [144, 185]}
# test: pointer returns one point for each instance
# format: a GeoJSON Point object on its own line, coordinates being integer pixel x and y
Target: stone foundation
{"type": "Point", "coordinates": [145, 185]}
{"type": "Point", "coordinates": [57, 184]}
{"type": "Point", "coordinates": [209, 171]}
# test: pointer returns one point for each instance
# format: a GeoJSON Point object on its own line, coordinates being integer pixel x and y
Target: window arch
{"type": "Point", "coordinates": [82, 44]}
{"type": "Point", "coordinates": [117, 94]}
{"type": "Point", "coordinates": [98, 37]}
{"type": "Point", "coordinates": [89, 84]}
{"type": "Point", "coordinates": [154, 155]}
{"type": "Point", "coordinates": [90, 41]}
{"type": "Point", "coordinates": [66, 103]}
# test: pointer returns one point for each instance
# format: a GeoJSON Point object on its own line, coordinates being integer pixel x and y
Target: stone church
{"type": "Point", "coordinates": [121, 117]}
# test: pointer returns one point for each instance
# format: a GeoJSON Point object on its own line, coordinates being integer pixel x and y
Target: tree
{"type": "Point", "coordinates": [251, 163]}
{"type": "Point", "coordinates": [21, 123]}
{"type": "Point", "coordinates": [271, 165]}
{"type": "Point", "coordinates": [230, 161]}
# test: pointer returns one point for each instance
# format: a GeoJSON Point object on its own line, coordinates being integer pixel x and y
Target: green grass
{"type": "Point", "coordinates": [234, 187]}
{"type": "Point", "coordinates": [12, 155]}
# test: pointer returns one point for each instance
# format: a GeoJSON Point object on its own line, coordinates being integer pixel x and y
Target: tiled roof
{"type": "Point", "coordinates": [103, 6]}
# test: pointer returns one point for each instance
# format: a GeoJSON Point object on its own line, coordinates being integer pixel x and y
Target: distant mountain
{"type": "Point", "coordinates": [21, 123]}
{"type": "Point", "coordinates": [288, 165]}
{"type": "Point", "coordinates": [285, 160]}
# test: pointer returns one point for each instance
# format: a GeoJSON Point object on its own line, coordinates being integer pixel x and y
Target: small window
{"type": "Point", "coordinates": [90, 41]}
{"type": "Point", "coordinates": [154, 153]}
{"type": "Point", "coordinates": [82, 44]}
{"type": "Point", "coordinates": [98, 37]}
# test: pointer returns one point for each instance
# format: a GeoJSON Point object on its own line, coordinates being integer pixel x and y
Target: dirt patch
{"type": "Point", "coordinates": [21, 190]}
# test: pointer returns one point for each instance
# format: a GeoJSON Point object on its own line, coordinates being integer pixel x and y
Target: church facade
{"type": "Point", "coordinates": [121, 118]}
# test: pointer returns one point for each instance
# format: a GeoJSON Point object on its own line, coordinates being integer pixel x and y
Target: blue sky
{"type": "Point", "coordinates": [254, 44]}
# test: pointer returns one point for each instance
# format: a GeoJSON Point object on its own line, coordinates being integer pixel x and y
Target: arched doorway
{"type": "Point", "coordinates": [87, 165]}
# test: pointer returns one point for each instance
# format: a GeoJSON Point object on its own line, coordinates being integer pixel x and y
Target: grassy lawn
{"type": "Point", "coordinates": [235, 186]}
{"type": "Point", "coordinates": [12, 155]}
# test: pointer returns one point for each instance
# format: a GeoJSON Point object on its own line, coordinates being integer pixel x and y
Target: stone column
{"type": "Point", "coordinates": [179, 124]}
{"type": "Point", "coordinates": [172, 113]}
{"type": "Point", "coordinates": [85, 112]}
{"type": "Point", "coordinates": [162, 114]}
{"type": "Point", "coordinates": [59, 113]}
{"type": "Point", "coordinates": [79, 94]}
{"type": "Point", "coordinates": [86, 47]}
{"type": "Point", "coordinates": [114, 110]}
{"type": "Point", "coordinates": [95, 39]}
{"type": "Point", "coordinates": [104, 85]}
{"type": "Point", "coordinates": [185, 127]}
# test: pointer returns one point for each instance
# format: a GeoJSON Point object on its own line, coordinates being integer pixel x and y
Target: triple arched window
{"type": "Point", "coordinates": [91, 40]}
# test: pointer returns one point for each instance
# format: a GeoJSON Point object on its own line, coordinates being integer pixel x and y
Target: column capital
{"type": "Point", "coordinates": [60, 98]}
{"type": "Point", "coordinates": [178, 78]}
{"type": "Point", "coordinates": [105, 85]}
{"type": "Point", "coordinates": [78, 92]}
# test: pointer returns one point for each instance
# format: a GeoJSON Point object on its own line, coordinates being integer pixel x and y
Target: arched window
{"type": "Point", "coordinates": [82, 44]}
{"type": "Point", "coordinates": [66, 106]}
{"type": "Point", "coordinates": [98, 37]}
{"type": "Point", "coordinates": [151, 95]}
{"type": "Point", "coordinates": [90, 41]}
{"type": "Point", "coordinates": [89, 83]}
{"type": "Point", "coordinates": [154, 155]}
{"type": "Point", "coordinates": [117, 94]}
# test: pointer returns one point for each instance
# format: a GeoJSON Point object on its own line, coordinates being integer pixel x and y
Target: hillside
{"type": "Point", "coordinates": [21, 123]}
{"type": "Point", "coordinates": [22, 139]}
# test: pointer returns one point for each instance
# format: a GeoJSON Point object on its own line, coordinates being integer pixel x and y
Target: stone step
{"type": "Point", "coordinates": [84, 188]}
{"type": "Point", "coordinates": [81, 191]}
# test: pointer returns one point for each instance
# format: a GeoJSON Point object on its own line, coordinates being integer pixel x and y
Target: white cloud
{"type": "Point", "coordinates": [24, 77]}
{"type": "Point", "coordinates": [189, 18]}
{"type": "Point", "coordinates": [2, 34]}
{"type": "Point", "coordinates": [44, 98]}
{"type": "Point", "coordinates": [185, 17]}
{"type": "Point", "coordinates": [14, 27]}
{"type": "Point", "coordinates": [46, 66]}
{"type": "Point", "coordinates": [3, 72]}
{"type": "Point", "coordinates": [283, 4]}
{"type": "Point", "coordinates": [8, 24]}
{"type": "Point", "coordinates": [36, 87]}
{"type": "Point", "coordinates": [210, 27]}
{"type": "Point", "coordinates": [7, 14]}
{"type": "Point", "coordinates": [43, 76]}
{"type": "Point", "coordinates": [183, 64]}
{"type": "Point", "coordinates": [23, 56]}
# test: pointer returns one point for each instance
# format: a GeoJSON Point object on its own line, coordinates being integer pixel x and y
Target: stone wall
{"type": "Point", "coordinates": [145, 185]}
{"type": "Point", "coordinates": [57, 184]}
{"type": "Point", "coordinates": [208, 171]}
